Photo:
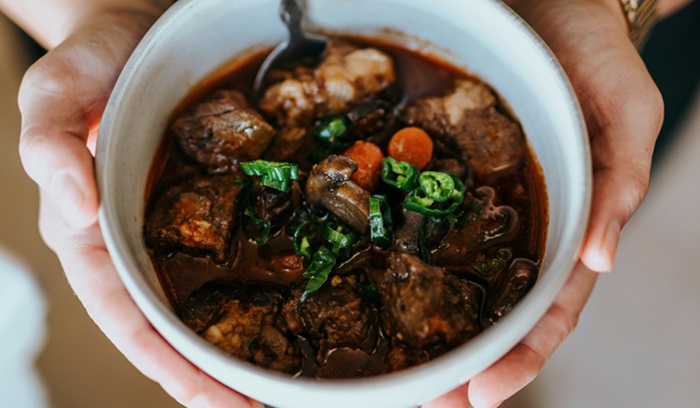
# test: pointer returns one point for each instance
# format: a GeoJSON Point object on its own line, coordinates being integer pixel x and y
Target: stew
{"type": "Point", "coordinates": [372, 210]}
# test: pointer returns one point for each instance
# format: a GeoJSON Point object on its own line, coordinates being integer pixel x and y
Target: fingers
{"type": "Point", "coordinates": [55, 156]}
{"type": "Point", "coordinates": [622, 144]}
{"type": "Point", "coordinates": [94, 280]}
{"type": "Point", "coordinates": [457, 398]}
{"type": "Point", "coordinates": [622, 107]}
{"type": "Point", "coordinates": [522, 364]}
{"type": "Point", "coordinates": [61, 98]}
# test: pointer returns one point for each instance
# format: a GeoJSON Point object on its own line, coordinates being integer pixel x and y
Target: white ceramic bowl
{"type": "Point", "coordinates": [195, 37]}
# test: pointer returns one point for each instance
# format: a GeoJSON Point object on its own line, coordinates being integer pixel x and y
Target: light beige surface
{"type": "Point", "coordinates": [79, 365]}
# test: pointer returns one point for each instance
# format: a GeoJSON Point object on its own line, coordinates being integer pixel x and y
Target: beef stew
{"type": "Point", "coordinates": [372, 211]}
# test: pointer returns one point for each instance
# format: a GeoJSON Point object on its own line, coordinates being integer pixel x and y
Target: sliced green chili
{"type": "Point", "coordinates": [272, 174]}
{"type": "Point", "coordinates": [318, 270]}
{"type": "Point", "coordinates": [436, 185]}
{"type": "Point", "coordinates": [379, 220]}
{"type": "Point", "coordinates": [437, 195]}
{"type": "Point", "coordinates": [399, 174]}
{"type": "Point", "coordinates": [331, 129]}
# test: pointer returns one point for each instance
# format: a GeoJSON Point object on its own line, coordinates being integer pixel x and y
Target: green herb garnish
{"type": "Point", "coordinates": [331, 129]}
{"type": "Point", "coordinates": [275, 175]}
{"type": "Point", "coordinates": [379, 221]}
{"type": "Point", "coordinates": [318, 270]}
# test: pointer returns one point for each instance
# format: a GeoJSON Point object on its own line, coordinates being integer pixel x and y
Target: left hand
{"type": "Point", "coordinates": [623, 111]}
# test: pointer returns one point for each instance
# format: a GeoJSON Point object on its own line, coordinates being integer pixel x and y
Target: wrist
{"type": "Point", "coordinates": [50, 22]}
{"type": "Point", "coordinates": [612, 7]}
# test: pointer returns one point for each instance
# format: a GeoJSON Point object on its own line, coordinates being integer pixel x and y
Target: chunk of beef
{"type": "Point", "coordinates": [222, 130]}
{"type": "Point", "coordinates": [329, 185]}
{"type": "Point", "coordinates": [373, 120]}
{"type": "Point", "coordinates": [484, 224]}
{"type": "Point", "coordinates": [346, 76]}
{"type": "Point", "coordinates": [417, 231]}
{"type": "Point", "coordinates": [452, 166]}
{"type": "Point", "coordinates": [288, 145]}
{"type": "Point", "coordinates": [337, 316]}
{"type": "Point", "coordinates": [197, 215]}
{"type": "Point", "coordinates": [408, 234]}
{"type": "Point", "coordinates": [424, 305]}
{"type": "Point", "coordinates": [245, 323]}
{"type": "Point", "coordinates": [512, 286]}
{"type": "Point", "coordinates": [468, 118]}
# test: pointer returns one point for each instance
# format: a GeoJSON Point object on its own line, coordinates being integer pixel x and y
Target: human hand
{"type": "Point", "coordinates": [623, 111]}
{"type": "Point", "coordinates": [62, 98]}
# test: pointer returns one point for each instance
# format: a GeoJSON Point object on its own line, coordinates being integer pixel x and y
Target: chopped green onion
{"type": "Point", "coordinates": [331, 129]}
{"type": "Point", "coordinates": [263, 224]}
{"type": "Point", "coordinates": [317, 273]}
{"type": "Point", "coordinates": [339, 236]}
{"type": "Point", "coordinates": [300, 235]}
{"type": "Point", "coordinates": [272, 174]}
{"type": "Point", "coordinates": [399, 174]}
{"type": "Point", "coordinates": [379, 221]}
{"type": "Point", "coordinates": [437, 195]}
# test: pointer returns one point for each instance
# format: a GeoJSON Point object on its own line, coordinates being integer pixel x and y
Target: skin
{"type": "Point", "coordinates": [63, 95]}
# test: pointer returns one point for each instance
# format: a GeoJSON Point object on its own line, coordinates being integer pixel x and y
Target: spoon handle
{"type": "Point", "coordinates": [291, 13]}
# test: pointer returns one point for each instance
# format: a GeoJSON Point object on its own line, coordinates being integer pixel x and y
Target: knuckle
{"type": "Point", "coordinates": [560, 322]}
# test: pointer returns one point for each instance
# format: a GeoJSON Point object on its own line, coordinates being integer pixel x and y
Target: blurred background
{"type": "Point", "coordinates": [636, 340]}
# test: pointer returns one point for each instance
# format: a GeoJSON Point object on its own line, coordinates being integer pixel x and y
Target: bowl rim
{"type": "Point", "coordinates": [159, 314]}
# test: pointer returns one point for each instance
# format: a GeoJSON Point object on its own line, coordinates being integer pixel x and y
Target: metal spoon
{"type": "Point", "coordinates": [298, 45]}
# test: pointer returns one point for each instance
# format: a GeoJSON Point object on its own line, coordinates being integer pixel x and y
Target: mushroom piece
{"type": "Point", "coordinates": [329, 185]}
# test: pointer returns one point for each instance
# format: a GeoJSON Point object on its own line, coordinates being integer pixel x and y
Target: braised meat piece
{"type": "Point", "coordinates": [289, 145]}
{"type": "Point", "coordinates": [417, 231]}
{"type": "Point", "coordinates": [346, 76]}
{"type": "Point", "coordinates": [408, 233]}
{"type": "Point", "coordinates": [336, 316]}
{"type": "Point", "coordinates": [452, 166]}
{"type": "Point", "coordinates": [222, 130]}
{"type": "Point", "coordinates": [468, 117]}
{"type": "Point", "coordinates": [373, 120]}
{"type": "Point", "coordinates": [514, 283]}
{"type": "Point", "coordinates": [197, 215]}
{"type": "Point", "coordinates": [424, 305]}
{"type": "Point", "coordinates": [244, 322]}
{"type": "Point", "coordinates": [484, 224]}
{"type": "Point", "coordinates": [329, 185]}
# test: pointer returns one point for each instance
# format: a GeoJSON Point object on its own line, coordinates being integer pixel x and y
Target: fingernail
{"type": "Point", "coordinates": [67, 194]}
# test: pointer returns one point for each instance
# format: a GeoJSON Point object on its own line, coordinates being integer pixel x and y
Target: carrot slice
{"type": "Point", "coordinates": [412, 145]}
{"type": "Point", "coordinates": [368, 157]}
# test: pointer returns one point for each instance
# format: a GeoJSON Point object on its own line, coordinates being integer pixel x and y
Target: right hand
{"type": "Point", "coordinates": [62, 98]}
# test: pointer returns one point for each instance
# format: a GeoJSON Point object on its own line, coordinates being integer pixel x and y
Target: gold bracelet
{"type": "Point", "coordinates": [641, 16]}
